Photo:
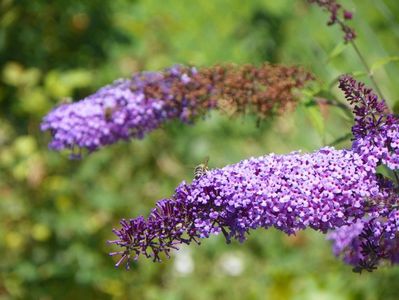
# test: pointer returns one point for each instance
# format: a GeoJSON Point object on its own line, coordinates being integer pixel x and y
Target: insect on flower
{"type": "Point", "coordinates": [201, 169]}
{"type": "Point", "coordinates": [108, 112]}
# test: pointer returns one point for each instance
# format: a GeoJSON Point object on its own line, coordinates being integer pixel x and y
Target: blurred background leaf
{"type": "Point", "coordinates": [56, 214]}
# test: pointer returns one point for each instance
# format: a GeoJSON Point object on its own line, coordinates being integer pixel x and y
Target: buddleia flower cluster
{"type": "Point", "coordinates": [326, 190]}
{"type": "Point", "coordinates": [375, 130]}
{"type": "Point", "coordinates": [323, 190]}
{"type": "Point", "coordinates": [131, 108]}
{"type": "Point", "coordinates": [376, 138]}
{"type": "Point", "coordinates": [338, 15]}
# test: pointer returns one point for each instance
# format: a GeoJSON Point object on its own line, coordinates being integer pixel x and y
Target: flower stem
{"type": "Point", "coordinates": [366, 66]}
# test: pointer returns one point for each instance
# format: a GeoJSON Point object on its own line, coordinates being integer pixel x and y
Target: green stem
{"type": "Point", "coordinates": [366, 66]}
{"type": "Point", "coordinates": [396, 177]}
{"type": "Point", "coordinates": [364, 62]}
{"type": "Point", "coordinates": [333, 102]}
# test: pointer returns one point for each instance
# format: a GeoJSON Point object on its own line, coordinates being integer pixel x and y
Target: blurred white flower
{"type": "Point", "coordinates": [232, 264]}
{"type": "Point", "coordinates": [183, 262]}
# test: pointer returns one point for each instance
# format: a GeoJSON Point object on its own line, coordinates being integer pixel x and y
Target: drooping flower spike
{"type": "Point", "coordinates": [325, 190]}
{"type": "Point", "coordinates": [376, 138]}
{"type": "Point", "coordinates": [369, 241]}
{"type": "Point", "coordinates": [376, 130]}
{"type": "Point", "coordinates": [338, 15]}
{"type": "Point", "coordinates": [130, 108]}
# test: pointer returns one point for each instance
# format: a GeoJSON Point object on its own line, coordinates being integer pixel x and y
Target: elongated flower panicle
{"type": "Point", "coordinates": [370, 240]}
{"type": "Point", "coordinates": [338, 15]}
{"type": "Point", "coordinates": [370, 112]}
{"type": "Point", "coordinates": [375, 237]}
{"type": "Point", "coordinates": [327, 190]}
{"type": "Point", "coordinates": [130, 108]}
{"type": "Point", "coordinates": [323, 190]}
{"type": "Point", "coordinates": [376, 131]}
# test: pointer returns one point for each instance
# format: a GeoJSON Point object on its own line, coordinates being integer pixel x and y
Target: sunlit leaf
{"type": "Point", "coordinates": [382, 62]}
{"type": "Point", "coordinates": [316, 119]}
{"type": "Point", "coordinates": [338, 49]}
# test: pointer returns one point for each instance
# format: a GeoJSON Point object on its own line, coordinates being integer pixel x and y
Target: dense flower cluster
{"type": "Point", "coordinates": [335, 9]}
{"type": "Point", "coordinates": [324, 190]}
{"type": "Point", "coordinates": [370, 240]}
{"type": "Point", "coordinates": [327, 190]}
{"type": "Point", "coordinates": [376, 131]}
{"type": "Point", "coordinates": [376, 137]}
{"type": "Point", "coordinates": [130, 108]}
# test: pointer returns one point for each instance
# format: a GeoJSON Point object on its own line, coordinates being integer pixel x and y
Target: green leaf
{"type": "Point", "coordinates": [382, 62]}
{"type": "Point", "coordinates": [61, 84]}
{"type": "Point", "coordinates": [359, 74]}
{"type": "Point", "coordinates": [338, 49]}
{"type": "Point", "coordinates": [315, 117]}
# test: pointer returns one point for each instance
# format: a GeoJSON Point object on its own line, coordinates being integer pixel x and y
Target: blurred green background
{"type": "Point", "coordinates": [56, 215]}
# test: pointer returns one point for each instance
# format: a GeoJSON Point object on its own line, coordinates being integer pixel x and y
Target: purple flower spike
{"type": "Point", "coordinates": [367, 242]}
{"type": "Point", "coordinates": [335, 9]}
{"type": "Point", "coordinates": [116, 112]}
{"type": "Point", "coordinates": [327, 190]}
{"type": "Point", "coordinates": [133, 107]}
{"type": "Point", "coordinates": [375, 237]}
{"type": "Point", "coordinates": [324, 190]}
{"type": "Point", "coordinates": [376, 131]}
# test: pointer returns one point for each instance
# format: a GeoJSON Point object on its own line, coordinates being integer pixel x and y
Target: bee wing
{"type": "Point", "coordinates": [189, 167]}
